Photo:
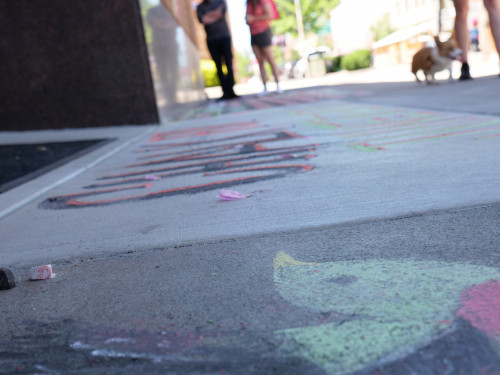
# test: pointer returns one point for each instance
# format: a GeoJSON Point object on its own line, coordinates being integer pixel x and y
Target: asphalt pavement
{"type": "Point", "coordinates": [350, 225]}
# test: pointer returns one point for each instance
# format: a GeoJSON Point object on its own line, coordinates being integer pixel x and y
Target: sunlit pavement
{"type": "Point", "coordinates": [480, 67]}
{"type": "Point", "coordinates": [367, 239]}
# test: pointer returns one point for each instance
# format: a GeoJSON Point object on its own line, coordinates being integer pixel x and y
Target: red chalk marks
{"type": "Point", "coordinates": [204, 130]}
{"type": "Point", "coordinates": [307, 157]}
{"type": "Point", "coordinates": [243, 154]}
{"type": "Point", "coordinates": [259, 147]}
{"type": "Point", "coordinates": [140, 186]}
{"type": "Point", "coordinates": [302, 167]}
{"type": "Point", "coordinates": [481, 307]}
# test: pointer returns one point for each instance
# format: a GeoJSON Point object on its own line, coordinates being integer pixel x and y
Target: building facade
{"type": "Point", "coordinates": [172, 36]}
{"type": "Point", "coordinates": [92, 63]}
{"type": "Point", "coordinates": [414, 22]}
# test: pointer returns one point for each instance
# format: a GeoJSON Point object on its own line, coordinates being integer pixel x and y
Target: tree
{"type": "Point", "coordinates": [314, 15]}
{"type": "Point", "coordinates": [382, 27]}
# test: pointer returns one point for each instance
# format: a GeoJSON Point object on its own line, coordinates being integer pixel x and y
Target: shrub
{"type": "Point", "coordinates": [333, 64]}
{"type": "Point", "coordinates": [357, 60]}
{"type": "Point", "coordinates": [209, 73]}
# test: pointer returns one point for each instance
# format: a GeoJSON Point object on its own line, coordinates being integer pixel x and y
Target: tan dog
{"type": "Point", "coordinates": [434, 59]}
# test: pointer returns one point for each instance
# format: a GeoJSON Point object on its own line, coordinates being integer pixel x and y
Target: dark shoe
{"type": "Point", "coordinates": [227, 96]}
{"type": "Point", "coordinates": [465, 72]}
{"type": "Point", "coordinates": [232, 96]}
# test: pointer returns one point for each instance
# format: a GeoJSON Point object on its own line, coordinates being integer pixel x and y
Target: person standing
{"type": "Point", "coordinates": [462, 30]}
{"type": "Point", "coordinates": [212, 14]}
{"type": "Point", "coordinates": [474, 36]}
{"type": "Point", "coordinates": [258, 17]}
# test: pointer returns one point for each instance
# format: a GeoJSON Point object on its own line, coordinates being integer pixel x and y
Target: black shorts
{"type": "Point", "coordinates": [264, 39]}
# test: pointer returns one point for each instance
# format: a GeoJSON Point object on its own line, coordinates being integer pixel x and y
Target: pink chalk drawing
{"type": "Point", "coordinates": [481, 307]}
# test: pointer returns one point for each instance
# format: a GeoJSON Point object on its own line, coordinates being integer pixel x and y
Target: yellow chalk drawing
{"type": "Point", "coordinates": [282, 259]}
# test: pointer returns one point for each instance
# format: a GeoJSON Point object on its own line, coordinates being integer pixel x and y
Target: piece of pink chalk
{"type": "Point", "coordinates": [42, 272]}
{"type": "Point", "coordinates": [230, 195]}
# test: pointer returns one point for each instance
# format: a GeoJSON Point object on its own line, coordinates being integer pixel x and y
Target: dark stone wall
{"type": "Point", "coordinates": [70, 64]}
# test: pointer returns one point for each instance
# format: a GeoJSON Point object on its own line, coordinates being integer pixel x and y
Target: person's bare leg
{"type": "Point", "coordinates": [462, 34]}
{"type": "Point", "coordinates": [261, 59]}
{"type": "Point", "coordinates": [269, 56]}
{"type": "Point", "coordinates": [493, 8]}
{"type": "Point", "coordinates": [461, 28]}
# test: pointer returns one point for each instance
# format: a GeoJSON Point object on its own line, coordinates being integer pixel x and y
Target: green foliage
{"type": "Point", "coordinates": [278, 55]}
{"type": "Point", "coordinates": [314, 15]}
{"type": "Point", "coordinates": [243, 61]}
{"type": "Point", "coordinates": [382, 27]}
{"type": "Point", "coordinates": [333, 64]}
{"type": "Point", "coordinates": [145, 6]}
{"type": "Point", "coordinates": [295, 55]}
{"type": "Point", "coordinates": [357, 60]}
{"type": "Point", "coordinates": [209, 73]}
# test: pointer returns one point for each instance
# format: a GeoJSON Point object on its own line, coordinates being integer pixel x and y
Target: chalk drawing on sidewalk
{"type": "Point", "coordinates": [387, 309]}
{"type": "Point", "coordinates": [210, 157]}
{"type": "Point", "coordinates": [252, 102]}
{"type": "Point", "coordinates": [377, 128]}
{"type": "Point", "coordinates": [481, 307]}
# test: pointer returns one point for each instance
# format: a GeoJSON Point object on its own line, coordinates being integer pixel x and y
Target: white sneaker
{"type": "Point", "coordinates": [278, 90]}
{"type": "Point", "coordinates": [263, 93]}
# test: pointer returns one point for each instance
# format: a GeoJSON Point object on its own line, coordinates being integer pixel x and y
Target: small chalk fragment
{"type": "Point", "coordinates": [42, 272]}
{"type": "Point", "coordinates": [231, 195]}
{"type": "Point", "coordinates": [7, 280]}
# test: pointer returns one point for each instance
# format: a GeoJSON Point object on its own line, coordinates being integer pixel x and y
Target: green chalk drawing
{"type": "Point", "coordinates": [320, 124]}
{"type": "Point", "coordinates": [374, 128]}
{"type": "Point", "coordinates": [394, 307]}
{"type": "Point", "coordinates": [367, 148]}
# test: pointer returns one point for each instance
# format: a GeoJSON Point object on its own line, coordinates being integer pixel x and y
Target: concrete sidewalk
{"type": "Point", "coordinates": [480, 67]}
{"type": "Point", "coordinates": [368, 242]}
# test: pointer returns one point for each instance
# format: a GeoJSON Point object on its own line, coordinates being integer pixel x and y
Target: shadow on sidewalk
{"type": "Point", "coordinates": [24, 162]}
